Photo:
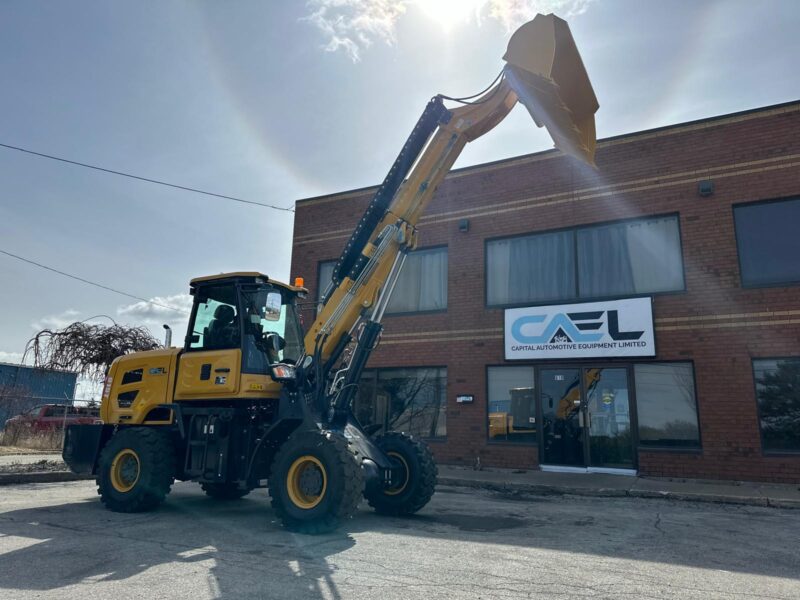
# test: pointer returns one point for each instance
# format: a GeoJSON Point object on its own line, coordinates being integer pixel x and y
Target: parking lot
{"type": "Point", "coordinates": [56, 541]}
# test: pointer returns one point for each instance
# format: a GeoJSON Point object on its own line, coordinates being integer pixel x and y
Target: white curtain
{"type": "Point", "coordinates": [531, 269]}
{"type": "Point", "coordinates": [422, 284]}
{"type": "Point", "coordinates": [630, 258]}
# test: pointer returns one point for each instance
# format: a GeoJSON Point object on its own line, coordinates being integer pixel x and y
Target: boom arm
{"type": "Point", "coordinates": [545, 73]}
{"type": "Point", "coordinates": [395, 233]}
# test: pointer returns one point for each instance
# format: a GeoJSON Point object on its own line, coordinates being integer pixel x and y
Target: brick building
{"type": "Point", "coordinates": [694, 227]}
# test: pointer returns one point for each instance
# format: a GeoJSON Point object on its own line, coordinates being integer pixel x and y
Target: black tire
{"type": "Point", "coordinates": [146, 452]}
{"type": "Point", "coordinates": [419, 483]}
{"type": "Point", "coordinates": [315, 482]}
{"type": "Point", "coordinates": [225, 491]}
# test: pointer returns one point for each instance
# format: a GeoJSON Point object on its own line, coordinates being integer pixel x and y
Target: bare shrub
{"type": "Point", "coordinates": [86, 348]}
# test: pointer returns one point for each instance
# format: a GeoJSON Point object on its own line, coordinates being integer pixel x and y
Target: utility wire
{"type": "Point", "coordinates": [172, 185]}
{"type": "Point", "coordinates": [105, 287]}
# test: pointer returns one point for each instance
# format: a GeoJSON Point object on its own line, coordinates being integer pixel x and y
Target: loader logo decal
{"type": "Point", "coordinates": [615, 328]}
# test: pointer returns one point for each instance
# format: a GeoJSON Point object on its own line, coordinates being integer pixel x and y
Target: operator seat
{"type": "Point", "coordinates": [223, 330]}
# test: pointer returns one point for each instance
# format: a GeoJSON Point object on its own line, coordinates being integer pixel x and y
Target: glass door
{"type": "Point", "coordinates": [562, 417]}
{"type": "Point", "coordinates": [607, 416]}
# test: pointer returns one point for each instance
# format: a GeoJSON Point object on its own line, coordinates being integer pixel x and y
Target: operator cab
{"type": "Point", "coordinates": [244, 318]}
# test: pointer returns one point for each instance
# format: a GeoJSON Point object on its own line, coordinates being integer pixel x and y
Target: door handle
{"type": "Point", "coordinates": [223, 370]}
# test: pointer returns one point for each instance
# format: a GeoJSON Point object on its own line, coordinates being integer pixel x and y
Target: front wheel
{"type": "Point", "coordinates": [417, 481]}
{"type": "Point", "coordinates": [315, 482]}
{"type": "Point", "coordinates": [136, 469]}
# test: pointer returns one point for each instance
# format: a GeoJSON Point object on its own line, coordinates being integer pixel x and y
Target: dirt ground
{"type": "Point", "coordinates": [12, 450]}
{"type": "Point", "coordinates": [33, 467]}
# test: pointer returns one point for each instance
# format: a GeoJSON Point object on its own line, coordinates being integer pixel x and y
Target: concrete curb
{"type": "Point", "coordinates": [553, 490]}
{"type": "Point", "coordinates": [41, 477]}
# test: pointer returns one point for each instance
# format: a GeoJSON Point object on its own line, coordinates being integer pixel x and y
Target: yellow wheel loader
{"type": "Point", "coordinates": [251, 401]}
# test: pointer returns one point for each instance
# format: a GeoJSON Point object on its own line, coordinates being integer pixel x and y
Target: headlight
{"type": "Point", "coordinates": [282, 372]}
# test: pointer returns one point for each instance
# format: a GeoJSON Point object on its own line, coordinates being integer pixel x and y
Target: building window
{"type": "Point", "coordinates": [409, 400]}
{"type": "Point", "coordinates": [634, 257]}
{"type": "Point", "coordinates": [325, 272]}
{"type": "Point", "coordinates": [617, 259]}
{"type": "Point", "coordinates": [422, 285]}
{"type": "Point", "coordinates": [534, 268]}
{"type": "Point", "coordinates": [778, 397]}
{"type": "Point", "coordinates": [666, 405]}
{"type": "Point", "coordinates": [766, 236]}
{"type": "Point", "coordinates": [512, 404]}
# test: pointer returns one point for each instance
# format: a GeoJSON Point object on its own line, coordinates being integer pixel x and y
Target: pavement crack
{"type": "Point", "coordinates": [657, 524]}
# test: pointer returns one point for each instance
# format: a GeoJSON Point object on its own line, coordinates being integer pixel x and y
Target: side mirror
{"type": "Point", "coordinates": [275, 343]}
{"type": "Point", "coordinates": [272, 310]}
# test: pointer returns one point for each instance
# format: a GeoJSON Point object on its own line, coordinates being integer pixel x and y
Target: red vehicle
{"type": "Point", "coordinates": [52, 417]}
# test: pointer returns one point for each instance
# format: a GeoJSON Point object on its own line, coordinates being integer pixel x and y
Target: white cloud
{"type": "Point", "coordinates": [154, 316]}
{"type": "Point", "coordinates": [58, 321]}
{"type": "Point", "coordinates": [352, 25]}
{"type": "Point", "coordinates": [10, 357]}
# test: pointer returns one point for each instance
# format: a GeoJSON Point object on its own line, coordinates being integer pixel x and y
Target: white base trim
{"type": "Point", "coordinates": [607, 471]}
{"type": "Point", "coordinates": [562, 469]}
{"type": "Point", "coordinates": [611, 471]}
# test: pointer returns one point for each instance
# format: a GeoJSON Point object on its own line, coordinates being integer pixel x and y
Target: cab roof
{"type": "Point", "coordinates": [248, 276]}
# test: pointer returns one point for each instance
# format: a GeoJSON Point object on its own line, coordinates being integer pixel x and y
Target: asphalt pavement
{"type": "Point", "coordinates": [57, 541]}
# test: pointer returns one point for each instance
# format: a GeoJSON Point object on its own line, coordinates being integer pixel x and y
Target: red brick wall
{"type": "Point", "coordinates": [715, 322]}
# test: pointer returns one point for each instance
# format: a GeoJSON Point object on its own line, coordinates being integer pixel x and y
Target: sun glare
{"type": "Point", "coordinates": [449, 13]}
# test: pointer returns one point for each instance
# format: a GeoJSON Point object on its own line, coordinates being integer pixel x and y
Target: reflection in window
{"type": "Point", "coordinates": [778, 395]}
{"type": "Point", "coordinates": [768, 242]}
{"type": "Point", "coordinates": [666, 405]}
{"type": "Point", "coordinates": [512, 404]}
{"type": "Point", "coordinates": [409, 400]}
{"type": "Point", "coordinates": [422, 285]}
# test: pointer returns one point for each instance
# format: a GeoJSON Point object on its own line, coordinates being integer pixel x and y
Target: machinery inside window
{"type": "Point", "coordinates": [512, 404]}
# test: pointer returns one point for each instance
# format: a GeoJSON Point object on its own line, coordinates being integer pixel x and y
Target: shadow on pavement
{"type": "Point", "coordinates": [245, 553]}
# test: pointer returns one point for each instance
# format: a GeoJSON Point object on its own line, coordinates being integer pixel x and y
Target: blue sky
{"type": "Point", "coordinates": [276, 101]}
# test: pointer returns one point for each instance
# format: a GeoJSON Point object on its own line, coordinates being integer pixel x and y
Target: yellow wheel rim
{"type": "Point", "coordinates": [393, 491]}
{"type": "Point", "coordinates": [125, 470]}
{"type": "Point", "coordinates": [306, 482]}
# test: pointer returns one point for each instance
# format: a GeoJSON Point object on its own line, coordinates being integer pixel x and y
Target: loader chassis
{"type": "Point", "coordinates": [249, 399]}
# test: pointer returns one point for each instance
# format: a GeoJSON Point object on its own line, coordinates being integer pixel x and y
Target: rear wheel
{"type": "Point", "coordinates": [136, 469]}
{"type": "Point", "coordinates": [315, 482]}
{"type": "Point", "coordinates": [225, 491]}
{"type": "Point", "coordinates": [417, 482]}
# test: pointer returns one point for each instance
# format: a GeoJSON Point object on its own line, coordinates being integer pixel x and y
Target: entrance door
{"type": "Point", "coordinates": [562, 417]}
{"type": "Point", "coordinates": [586, 418]}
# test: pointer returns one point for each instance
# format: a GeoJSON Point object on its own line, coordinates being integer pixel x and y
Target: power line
{"type": "Point", "coordinates": [100, 285]}
{"type": "Point", "coordinates": [147, 179]}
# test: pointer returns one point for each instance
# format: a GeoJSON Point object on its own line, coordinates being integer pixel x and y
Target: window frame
{"type": "Point", "coordinates": [755, 286]}
{"type": "Point", "coordinates": [318, 299]}
{"type": "Point", "coordinates": [388, 314]}
{"type": "Point", "coordinates": [574, 229]}
{"type": "Point", "coordinates": [536, 409]}
{"type": "Point", "coordinates": [660, 448]}
{"type": "Point", "coordinates": [764, 451]}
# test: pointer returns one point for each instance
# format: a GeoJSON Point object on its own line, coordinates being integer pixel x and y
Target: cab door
{"type": "Point", "coordinates": [210, 366]}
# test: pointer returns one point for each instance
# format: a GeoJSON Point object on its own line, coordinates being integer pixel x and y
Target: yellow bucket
{"type": "Point", "coordinates": [547, 74]}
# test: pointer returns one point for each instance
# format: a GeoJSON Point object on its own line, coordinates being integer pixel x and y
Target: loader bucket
{"type": "Point", "coordinates": [547, 74]}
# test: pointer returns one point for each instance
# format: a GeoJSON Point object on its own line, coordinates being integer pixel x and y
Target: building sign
{"type": "Point", "coordinates": [586, 330]}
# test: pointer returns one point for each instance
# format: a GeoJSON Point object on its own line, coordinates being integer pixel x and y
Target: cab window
{"type": "Point", "coordinates": [268, 310]}
{"type": "Point", "coordinates": [216, 321]}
